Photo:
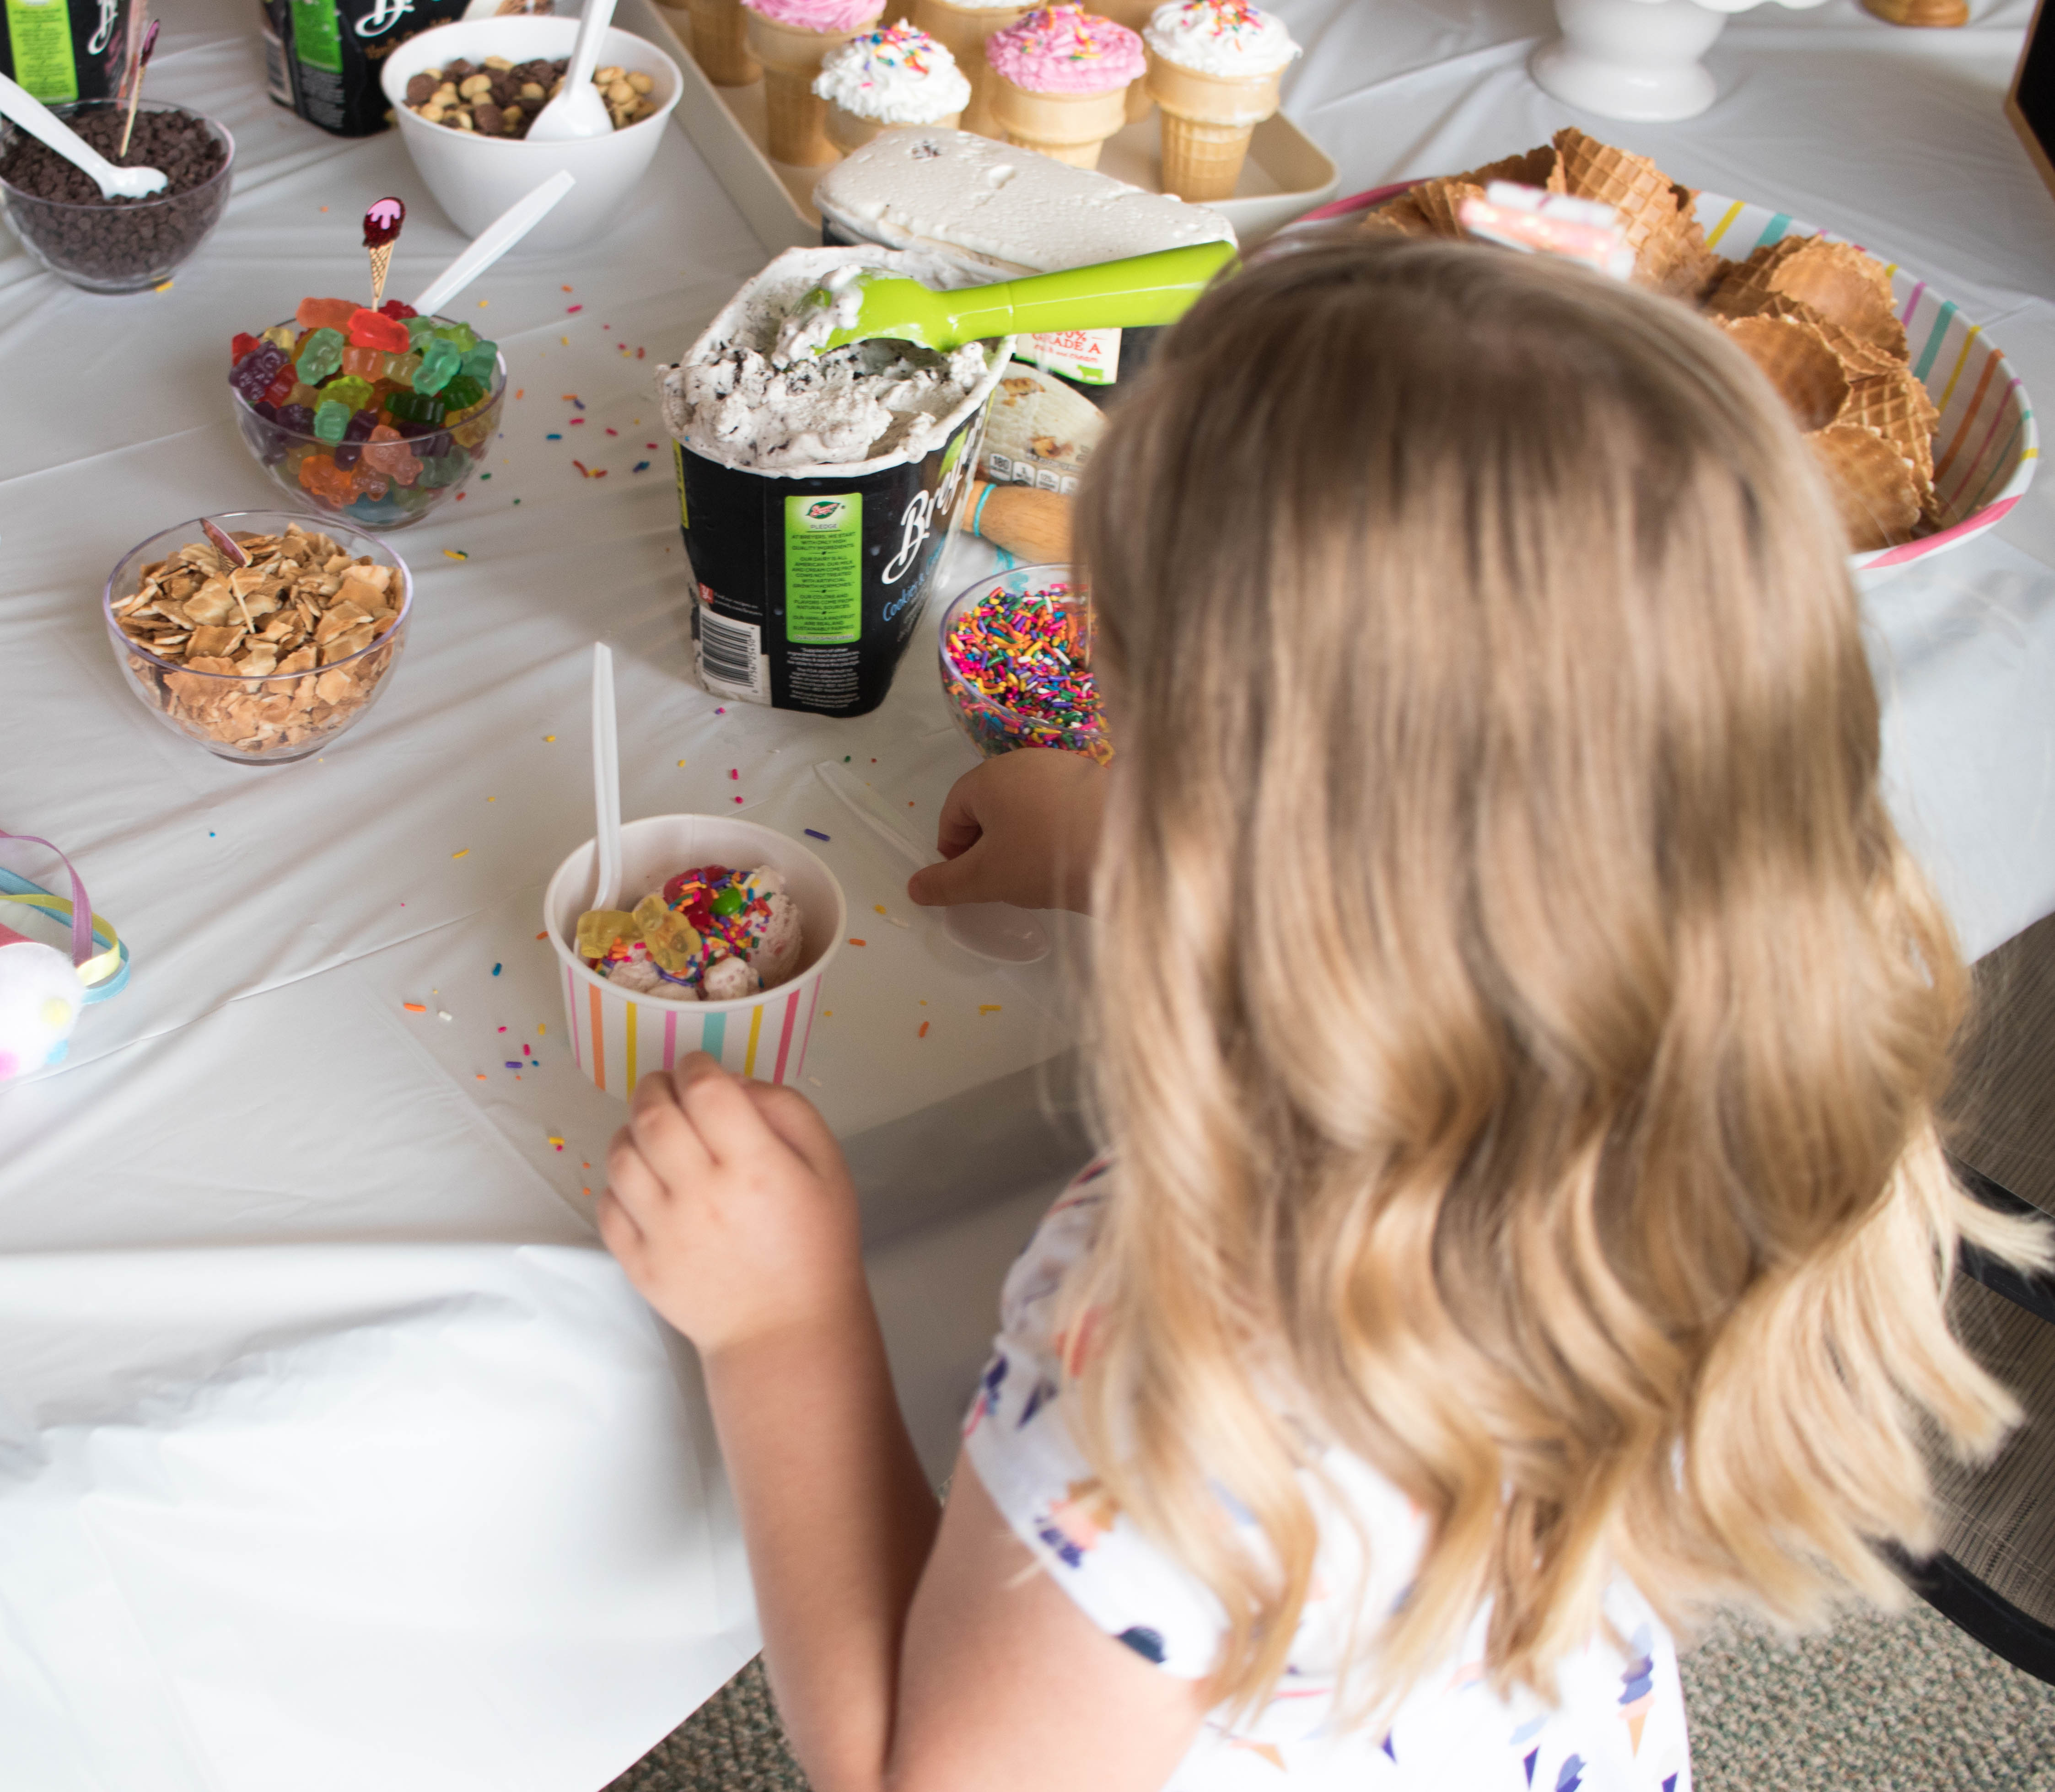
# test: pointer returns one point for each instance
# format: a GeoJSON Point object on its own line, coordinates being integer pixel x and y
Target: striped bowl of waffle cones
{"type": "Point", "coordinates": [1922, 428]}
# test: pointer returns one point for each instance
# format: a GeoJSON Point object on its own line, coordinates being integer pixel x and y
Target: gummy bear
{"type": "Point", "coordinates": [242, 343]}
{"type": "Point", "coordinates": [463, 335]}
{"type": "Point", "coordinates": [482, 362]}
{"type": "Point", "coordinates": [392, 308]}
{"type": "Point", "coordinates": [399, 368]}
{"type": "Point", "coordinates": [253, 375]}
{"type": "Point", "coordinates": [326, 313]}
{"type": "Point", "coordinates": [361, 424]}
{"type": "Point", "coordinates": [299, 418]}
{"type": "Point", "coordinates": [348, 390]}
{"type": "Point", "coordinates": [462, 392]}
{"type": "Point", "coordinates": [281, 336]}
{"type": "Point", "coordinates": [330, 421]}
{"type": "Point", "coordinates": [417, 407]}
{"type": "Point", "coordinates": [370, 483]}
{"type": "Point", "coordinates": [320, 354]}
{"type": "Point", "coordinates": [281, 389]}
{"type": "Point", "coordinates": [439, 361]}
{"type": "Point", "coordinates": [319, 474]}
{"type": "Point", "coordinates": [419, 330]}
{"type": "Point", "coordinates": [365, 364]}
{"type": "Point", "coordinates": [368, 330]}
{"type": "Point", "coordinates": [388, 453]}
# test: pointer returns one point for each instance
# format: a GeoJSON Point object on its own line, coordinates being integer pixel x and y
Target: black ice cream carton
{"type": "Point", "coordinates": [808, 578]}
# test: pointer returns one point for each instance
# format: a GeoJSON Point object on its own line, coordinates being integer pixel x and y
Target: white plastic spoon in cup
{"type": "Point", "coordinates": [993, 930]}
{"type": "Point", "coordinates": [605, 779]}
{"type": "Point", "coordinates": [22, 108]}
{"type": "Point", "coordinates": [578, 111]}
{"type": "Point", "coordinates": [494, 241]}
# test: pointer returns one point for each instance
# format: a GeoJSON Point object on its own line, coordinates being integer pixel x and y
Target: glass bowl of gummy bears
{"type": "Point", "coordinates": [117, 246]}
{"type": "Point", "coordinates": [373, 417]}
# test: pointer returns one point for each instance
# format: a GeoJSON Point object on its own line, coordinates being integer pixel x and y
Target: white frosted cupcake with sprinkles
{"type": "Point", "coordinates": [895, 78]}
{"type": "Point", "coordinates": [1213, 70]}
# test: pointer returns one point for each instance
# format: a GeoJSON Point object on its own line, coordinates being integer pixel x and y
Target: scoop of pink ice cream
{"type": "Point", "coordinates": [819, 15]}
{"type": "Point", "coordinates": [1065, 49]}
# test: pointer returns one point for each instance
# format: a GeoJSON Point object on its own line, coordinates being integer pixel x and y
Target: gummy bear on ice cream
{"type": "Point", "coordinates": [710, 934]}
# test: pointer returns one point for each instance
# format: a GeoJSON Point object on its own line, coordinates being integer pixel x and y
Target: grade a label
{"type": "Point", "coordinates": [39, 39]}
{"type": "Point", "coordinates": [1092, 357]}
{"type": "Point", "coordinates": [824, 568]}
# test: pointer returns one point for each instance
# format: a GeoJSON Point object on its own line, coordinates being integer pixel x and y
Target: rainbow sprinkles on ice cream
{"type": "Point", "coordinates": [710, 934]}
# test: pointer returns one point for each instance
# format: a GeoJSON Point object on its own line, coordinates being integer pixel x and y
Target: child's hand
{"type": "Point", "coordinates": [1023, 828]}
{"type": "Point", "coordinates": [730, 1206]}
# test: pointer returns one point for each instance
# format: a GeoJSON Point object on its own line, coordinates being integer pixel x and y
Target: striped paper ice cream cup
{"type": "Point", "coordinates": [621, 1035]}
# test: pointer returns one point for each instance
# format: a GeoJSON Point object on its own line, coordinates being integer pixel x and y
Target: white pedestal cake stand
{"type": "Point", "coordinates": [1636, 59]}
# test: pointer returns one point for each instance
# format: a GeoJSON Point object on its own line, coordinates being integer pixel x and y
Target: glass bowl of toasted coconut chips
{"type": "Point", "coordinates": [1919, 425]}
{"type": "Point", "coordinates": [261, 634]}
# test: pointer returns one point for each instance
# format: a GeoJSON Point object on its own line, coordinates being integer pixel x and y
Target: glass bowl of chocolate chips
{"type": "Point", "coordinates": [259, 634]}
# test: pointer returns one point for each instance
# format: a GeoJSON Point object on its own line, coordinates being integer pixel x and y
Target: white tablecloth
{"type": "Point", "coordinates": [333, 1452]}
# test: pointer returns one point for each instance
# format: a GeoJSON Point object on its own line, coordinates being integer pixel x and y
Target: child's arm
{"type": "Point", "coordinates": [1023, 828]}
{"type": "Point", "coordinates": [732, 1211]}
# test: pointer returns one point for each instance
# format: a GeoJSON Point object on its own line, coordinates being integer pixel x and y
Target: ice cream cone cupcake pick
{"type": "Point", "coordinates": [1063, 75]}
{"type": "Point", "coordinates": [382, 221]}
{"type": "Point", "coordinates": [888, 79]}
{"type": "Point", "coordinates": [1213, 70]}
{"type": "Point", "coordinates": [790, 38]}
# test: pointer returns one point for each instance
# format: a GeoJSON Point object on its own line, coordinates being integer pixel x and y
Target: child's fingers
{"type": "Point", "coordinates": [722, 1115]}
{"type": "Point", "coordinates": [635, 1185]}
{"type": "Point", "coordinates": [959, 827]}
{"type": "Point", "coordinates": [620, 1233]}
{"type": "Point", "coordinates": [955, 880]}
{"type": "Point", "coordinates": [798, 1123]}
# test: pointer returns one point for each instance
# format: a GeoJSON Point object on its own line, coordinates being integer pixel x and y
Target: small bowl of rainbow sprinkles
{"type": "Point", "coordinates": [1016, 663]}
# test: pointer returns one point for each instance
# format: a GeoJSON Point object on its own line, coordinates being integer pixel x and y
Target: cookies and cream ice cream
{"type": "Point", "coordinates": [750, 393]}
{"type": "Point", "coordinates": [1219, 36]}
{"type": "Point", "coordinates": [898, 75]}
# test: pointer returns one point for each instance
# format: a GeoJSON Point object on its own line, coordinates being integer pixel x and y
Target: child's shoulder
{"type": "Point", "coordinates": [1060, 1240]}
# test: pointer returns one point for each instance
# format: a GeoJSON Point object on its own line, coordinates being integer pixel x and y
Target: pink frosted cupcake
{"type": "Point", "coordinates": [1063, 75]}
{"type": "Point", "coordinates": [790, 38]}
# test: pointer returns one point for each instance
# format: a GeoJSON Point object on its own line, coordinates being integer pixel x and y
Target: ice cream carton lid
{"type": "Point", "coordinates": [996, 210]}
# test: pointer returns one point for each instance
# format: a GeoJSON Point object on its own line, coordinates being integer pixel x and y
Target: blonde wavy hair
{"type": "Point", "coordinates": [1518, 1022]}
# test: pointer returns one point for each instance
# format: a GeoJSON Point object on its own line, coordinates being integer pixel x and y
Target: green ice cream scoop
{"type": "Point", "coordinates": [1142, 290]}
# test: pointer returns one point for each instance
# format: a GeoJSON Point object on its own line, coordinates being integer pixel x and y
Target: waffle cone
{"type": "Point", "coordinates": [1398, 217]}
{"type": "Point", "coordinates": [1796, 359]}
{"type": "Point", "coordinates": [1639, 192]}
{"type": "Point", "coordinates": [1065, 127]}
{"type": "Point", "coordinates": [1876, 493]}
{"type": "Point", "coordinates": [1541, 167]}
{"type": "Point", "coordinates": [381, 259]}
{"type": "Point", "coordinates": [720, 42]}
{"type": "Point", "coordinates": [1439, 203]}
{"type": "Point", "coordinates": [791, 58]}
{"type": "Point", "coordinates": [961, 30]}
{"type": "Point", "coordinates": [1207, 123]}
{"type": "Point", "coordinates": [848, 130]}
{"type": "Point", "coordinates": [1895, 405]}
{"type": "Point", "coordinates": [1846, 287]}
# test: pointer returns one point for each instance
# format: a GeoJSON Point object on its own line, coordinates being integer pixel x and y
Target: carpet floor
{"type": "Point", "coordinates": [1901, 1703]}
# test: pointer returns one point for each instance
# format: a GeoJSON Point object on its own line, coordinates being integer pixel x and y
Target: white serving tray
{"type": "Point", "coordinates": [1287, 173]}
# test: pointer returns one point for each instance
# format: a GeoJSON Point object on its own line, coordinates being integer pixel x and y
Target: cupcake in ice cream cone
{"type": "Point", "coordinates": [790, 38]}
{"type": "Point", "coordinates": [962, 27]}
{"type": "Point", "coordinates": [1213, 70]}
{"type": "Point", "coordinates": [888, 79]}
{"type": "Point", "coordinates": [1062, 79]}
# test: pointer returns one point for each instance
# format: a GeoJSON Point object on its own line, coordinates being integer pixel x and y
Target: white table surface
{"type": "Point", "coordinates": [333, 1451]}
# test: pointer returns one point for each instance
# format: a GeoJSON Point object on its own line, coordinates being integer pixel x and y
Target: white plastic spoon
{"type": "Point", "coordinates": [24, 109]}
{"type": "Point", "coordinates": [578, 111]}
{"type": "Point", "coordinates": [992, 930]}
{"type": "Point", "coordinates": [605, 778]}
{"type": "Point", "coordinates": [494, 241]}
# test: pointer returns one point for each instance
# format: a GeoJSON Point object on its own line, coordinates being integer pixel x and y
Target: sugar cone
{"type": "Point", "coordinates": [381, 259]}
{"type": "Point", "coordinates": [1920, 12]}
{"type": "Point", "coordinates": [720, 42]}
{"type": "Point", "coordinates": [1876, 493]}
{"type": "Point", "coordinates": [848, 130]}
{"type": "Point", "coordinates": [1065, 127]}
{"type": "Point", "coordinates": [1797, 361]}
{"type": "Point", "coordinates": [791, 58]}
{"type": "Point", "coordinates": [1207, 123]}
{"type": "Point", "coordinates": [961, 31]}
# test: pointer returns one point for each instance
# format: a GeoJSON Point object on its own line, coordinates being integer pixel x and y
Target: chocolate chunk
{"type": "Point", "coordinates": [420, 89]}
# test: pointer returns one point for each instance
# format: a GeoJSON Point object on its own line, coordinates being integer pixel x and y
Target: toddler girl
{"type": "Point", "coordinates": [1521, 1227]}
